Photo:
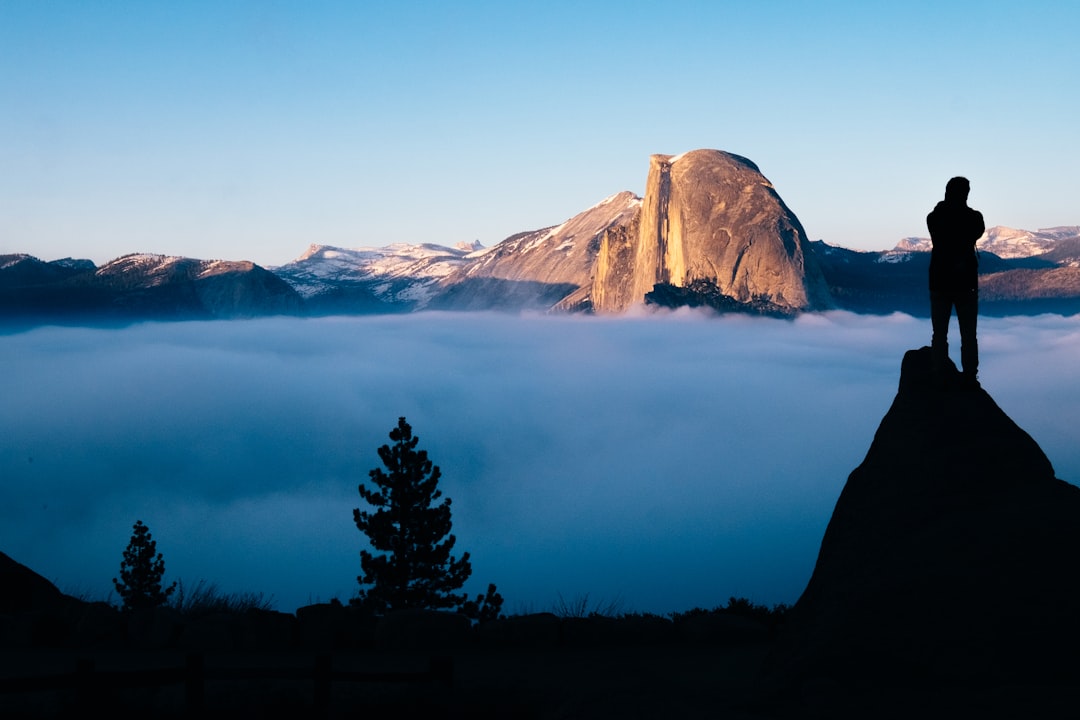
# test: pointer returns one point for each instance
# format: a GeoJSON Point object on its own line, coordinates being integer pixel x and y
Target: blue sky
{"type": "Point", "coordinates": [249, 130]}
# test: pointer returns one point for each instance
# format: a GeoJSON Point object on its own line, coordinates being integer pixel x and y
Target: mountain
{"type": "Point", "coordinates": [710, 225]}
{"type": "Point", "coordinates": [710, 231]}
{"type": "Point", "coordinates": [529, 270]}
{"type": "Point", "coordinates": [140, 286]}
{"type": "Point", "coordinates": [1020, 272]}
{"type": "Point", "coordinates": [1007, 243]}
{"type": "Point", "coordinates": [710, 217]}
{"type": "Point", "coordinates": [945, 581]}
{"type": "Point", "coordinates": [394, 278]}
{"type": "Point", "coordinates": [541, 269]}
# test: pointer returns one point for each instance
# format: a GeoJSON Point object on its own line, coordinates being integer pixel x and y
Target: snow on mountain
{"type": "Point", "coordinates": [894, 257]}
{"type": "Point", "coordinates": [156, 269]}
{"type": "Point", "coordinates": [1005, 242]}
{"type": "Point", "coordinates": [1010, 243]}
{"type": "Point", "coordinates": [74, 263]}
{"type": "Point", "coordinates": [912, 244]}
{"type": "Point", "coordinates": [396, 273]}
{"type": "Point", "coordinates": [469, 247]}
{"type": "Point", "coordinates": [562, 253]}
{"type": "Point", "coordinates": [7, 261]}
{"type": "Point", "coordinates": [161, 269]}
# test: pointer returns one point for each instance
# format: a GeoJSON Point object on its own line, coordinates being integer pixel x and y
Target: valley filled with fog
{"type": "Point", "coordinates": [657, 462]}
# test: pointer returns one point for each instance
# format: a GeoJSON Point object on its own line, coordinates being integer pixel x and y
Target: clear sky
{"type": "Point", "coordinates": [249, 130]}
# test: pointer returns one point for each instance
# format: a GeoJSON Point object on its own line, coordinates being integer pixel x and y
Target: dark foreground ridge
{"type": "Point", "coordinates": [946, 580]}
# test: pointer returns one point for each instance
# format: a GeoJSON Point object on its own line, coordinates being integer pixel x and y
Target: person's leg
{"type": "Point", "coordinates": [967, 313]}
{"type": "Point", "coordinates": [940, 311]}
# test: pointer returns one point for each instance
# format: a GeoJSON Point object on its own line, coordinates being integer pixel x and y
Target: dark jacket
{"type": "Point", "coordinates": [954, 228]}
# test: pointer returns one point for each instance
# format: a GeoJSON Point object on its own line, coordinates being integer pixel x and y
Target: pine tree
{"type": "Point", "coordinates": [415, 569]}
{"type": "Point", "coordinates": [141, 571]}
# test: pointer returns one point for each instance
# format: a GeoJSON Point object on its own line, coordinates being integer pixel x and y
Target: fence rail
{"type": "Point", "coordinates": [86, 678]}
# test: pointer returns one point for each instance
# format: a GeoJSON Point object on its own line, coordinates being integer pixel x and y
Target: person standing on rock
{"type": "Point", "coordinates": [954, 277]}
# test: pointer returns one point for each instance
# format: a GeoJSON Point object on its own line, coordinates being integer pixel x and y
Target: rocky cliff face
{"type": "Point", "coordinates": [538, 269]}
{"type": "Point", "coordinates": [709, 216]}
{"type": "Point", "coordinates": [946, 572]}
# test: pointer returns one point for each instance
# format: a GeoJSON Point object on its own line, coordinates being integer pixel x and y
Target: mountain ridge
{"type": "Point", "coordinates": [710, 231]}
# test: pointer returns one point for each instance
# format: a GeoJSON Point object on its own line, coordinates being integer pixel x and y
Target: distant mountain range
{"type": "Point", "coordinates": [1021, 272]}
{"type": "Point", "coordinates": [710, 231]}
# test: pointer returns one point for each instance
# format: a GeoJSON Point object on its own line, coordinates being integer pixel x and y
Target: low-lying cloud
{"type": "Point", "coordinates": [661, 462]}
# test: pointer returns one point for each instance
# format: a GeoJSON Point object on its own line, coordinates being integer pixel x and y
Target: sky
{"type": "Point", "coordinates": [250, 130]}
{"type": "Point", "coordinates": [649, 462]}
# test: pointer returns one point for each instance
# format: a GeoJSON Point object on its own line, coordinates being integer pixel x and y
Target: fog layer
{"type": "Point", "coordinates": [660, 463]}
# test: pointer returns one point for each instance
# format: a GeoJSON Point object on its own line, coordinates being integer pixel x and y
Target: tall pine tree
{"type": "Point", "coordinates": [414, 568]}
{"type": "Point", "coordinates": [141, 571]}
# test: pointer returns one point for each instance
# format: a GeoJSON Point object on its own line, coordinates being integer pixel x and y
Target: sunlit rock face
{"type": "Point", "coordinates": [948, 564]}
{"type": "Point", "coordinates": [709, 215]}
{"type": "Point", "coordinates": [538, 269]}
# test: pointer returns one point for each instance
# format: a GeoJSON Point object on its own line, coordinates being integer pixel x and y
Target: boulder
{"type": "Point", "coordinates": [948, 565]}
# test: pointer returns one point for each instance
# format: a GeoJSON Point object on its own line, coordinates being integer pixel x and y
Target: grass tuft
{"type": "Point", "coordinates": [206, 598]}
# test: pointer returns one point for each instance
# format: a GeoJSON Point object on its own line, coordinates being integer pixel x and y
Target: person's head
{"type": "Point", "coordinates": [957, 189]}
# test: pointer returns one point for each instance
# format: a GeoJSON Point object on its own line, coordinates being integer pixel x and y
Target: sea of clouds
{"type": "Point", "coordinates": [655, 462]}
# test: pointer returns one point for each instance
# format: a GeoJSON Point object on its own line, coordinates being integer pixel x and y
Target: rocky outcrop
{"type": "Point", "coordinates": [946, 571]}
{"type": "Point", "coordinates": [538, 269]}
{"type": "Point", "coordinates": [710, 216]}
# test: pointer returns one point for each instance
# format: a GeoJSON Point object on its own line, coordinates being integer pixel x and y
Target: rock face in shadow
{"type": "Point", "coordinates": [949, 560]}
{"type": "Point", "coordinates": [710, 216]}
{"type": "Point", "coordinates": [140, 287]}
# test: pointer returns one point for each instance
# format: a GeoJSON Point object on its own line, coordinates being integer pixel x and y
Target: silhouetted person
{"type": "Point", "coordinates": [954, 276]}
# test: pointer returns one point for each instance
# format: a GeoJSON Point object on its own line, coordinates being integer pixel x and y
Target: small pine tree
{"type": "Point", "coordinates": [141, 571]}
{"type": "Point", "coordinates": [415, 569]}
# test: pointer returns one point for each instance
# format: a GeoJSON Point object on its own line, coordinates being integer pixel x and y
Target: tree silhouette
{"type": "Point", "coordinates": [485, 607]}
{"type": "Point", "coordinates": [415, 569]}
{"type": "Point", "coordinates": [140, 572]}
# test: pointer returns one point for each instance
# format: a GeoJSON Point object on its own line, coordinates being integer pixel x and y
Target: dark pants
{"type": "Point", "coordinates": [966, 303]}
